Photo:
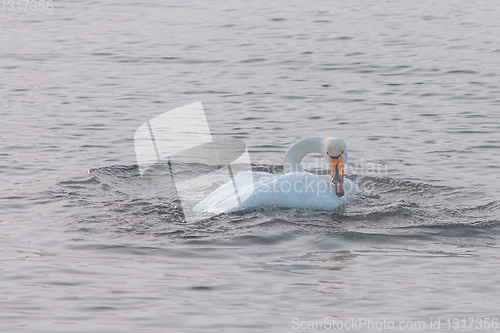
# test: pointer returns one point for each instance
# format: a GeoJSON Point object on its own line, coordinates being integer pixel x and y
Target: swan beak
{"type": "Point", "coordinates": [337, 174]}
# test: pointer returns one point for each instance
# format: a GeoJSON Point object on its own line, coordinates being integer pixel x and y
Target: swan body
{"type": "Point", "coordinates": [294, 189]}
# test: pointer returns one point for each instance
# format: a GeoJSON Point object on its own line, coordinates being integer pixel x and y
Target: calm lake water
{"type": "Point", "coordinates": [412, 87]}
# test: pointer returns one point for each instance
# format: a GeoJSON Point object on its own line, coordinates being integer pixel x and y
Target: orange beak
{"type": "Point", "coordinates": [337, 174]}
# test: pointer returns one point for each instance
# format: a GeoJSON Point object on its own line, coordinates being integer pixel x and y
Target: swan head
{"type": "Point", "coordinates": [336, 155]}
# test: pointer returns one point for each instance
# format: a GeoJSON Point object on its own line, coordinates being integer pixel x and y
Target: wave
{"type": "Point", "coordinates": [115, 200]}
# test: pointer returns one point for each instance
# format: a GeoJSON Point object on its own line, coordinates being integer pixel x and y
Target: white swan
{"type": "Point", "coordinates": [294, 189]}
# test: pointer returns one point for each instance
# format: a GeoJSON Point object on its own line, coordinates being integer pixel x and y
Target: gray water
{"type": "Point", "coordinates": [412, 87]}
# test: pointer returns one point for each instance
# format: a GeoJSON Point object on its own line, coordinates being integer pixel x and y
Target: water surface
{"type": "Point", "coordinates": [413, 88]}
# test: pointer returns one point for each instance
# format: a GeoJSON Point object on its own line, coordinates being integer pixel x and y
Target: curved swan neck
{"type": "Point", "coordinates": [301, 148]}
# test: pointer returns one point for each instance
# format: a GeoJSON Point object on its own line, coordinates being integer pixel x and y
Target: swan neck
{"type": "Point", "coordinates": [301, 148]}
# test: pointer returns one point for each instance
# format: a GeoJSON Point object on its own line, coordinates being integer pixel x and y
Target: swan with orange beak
{"type": "Point", "coordinates": [294, 189]}
{"type": "Point", "coordinates": [333, 149]}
